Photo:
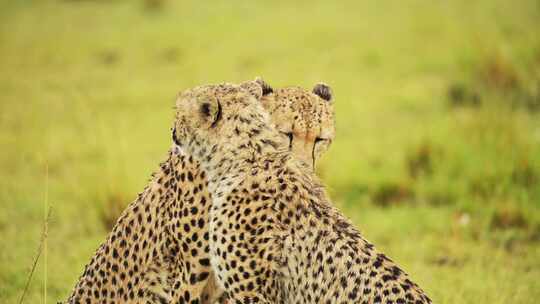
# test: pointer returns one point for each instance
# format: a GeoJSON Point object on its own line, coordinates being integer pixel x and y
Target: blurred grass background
{"type": "Point", "coordinates": [437, 155]}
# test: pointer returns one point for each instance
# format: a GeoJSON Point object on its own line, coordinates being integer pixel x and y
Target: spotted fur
{"type": "Point", "coordinates": [274, 235]}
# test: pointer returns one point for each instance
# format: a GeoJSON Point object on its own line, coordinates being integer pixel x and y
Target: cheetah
{"type": "Point", "coordinates": [274, 235]}
{"type": "Point", "coordinates": [158, 250]}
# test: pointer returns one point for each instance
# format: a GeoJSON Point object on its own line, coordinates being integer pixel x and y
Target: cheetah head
{"type": "Point", "coordinates": [304, 117]}
{"type": "Point", "coordinates": [211, 116]}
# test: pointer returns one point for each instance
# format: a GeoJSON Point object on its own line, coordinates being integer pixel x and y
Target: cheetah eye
{"type": "Point", "coordinates": [290, 136]}
{"type": "Point", "coordinates": [319, 139]}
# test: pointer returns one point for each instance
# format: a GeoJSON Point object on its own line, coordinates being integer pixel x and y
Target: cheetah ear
{"type": "Point", "coordinates": [323, 91]}
{"type": "Point", "coordinates": [211, 112]}
{"type": "Point", "coordinates": [266, 88]}
{"type": "Point", "coordinates": [253, 87]}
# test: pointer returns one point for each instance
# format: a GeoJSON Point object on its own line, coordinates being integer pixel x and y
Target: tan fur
{"type": "Point", "coordinates": [274, 235]}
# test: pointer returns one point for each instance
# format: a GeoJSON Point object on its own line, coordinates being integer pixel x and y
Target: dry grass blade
{"type": "Point", "coordinates": [36, 259]}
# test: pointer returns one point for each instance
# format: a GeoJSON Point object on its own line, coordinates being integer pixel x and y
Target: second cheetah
{"type": "Point", "coordinates": [274, 235]}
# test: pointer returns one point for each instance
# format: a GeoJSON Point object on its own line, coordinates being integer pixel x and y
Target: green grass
{"type": "Point", "coordinates": [450, 189]}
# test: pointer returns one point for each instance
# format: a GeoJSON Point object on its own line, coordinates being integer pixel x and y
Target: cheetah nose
{"type": "Point", "coordinates": [304, 154]}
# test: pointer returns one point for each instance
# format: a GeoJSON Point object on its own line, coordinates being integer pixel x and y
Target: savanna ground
{"type": "Point", "coordinates": [437, 156]}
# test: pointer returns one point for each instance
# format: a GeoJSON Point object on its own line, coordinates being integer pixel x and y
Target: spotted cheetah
{"type": "Point", "coordinates": [158, 250]}
{"type": "Point", "coordinates": [274, 235]}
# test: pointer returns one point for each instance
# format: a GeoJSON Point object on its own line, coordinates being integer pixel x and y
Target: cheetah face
{"type": "Point", "coordinates": [305, 118]}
